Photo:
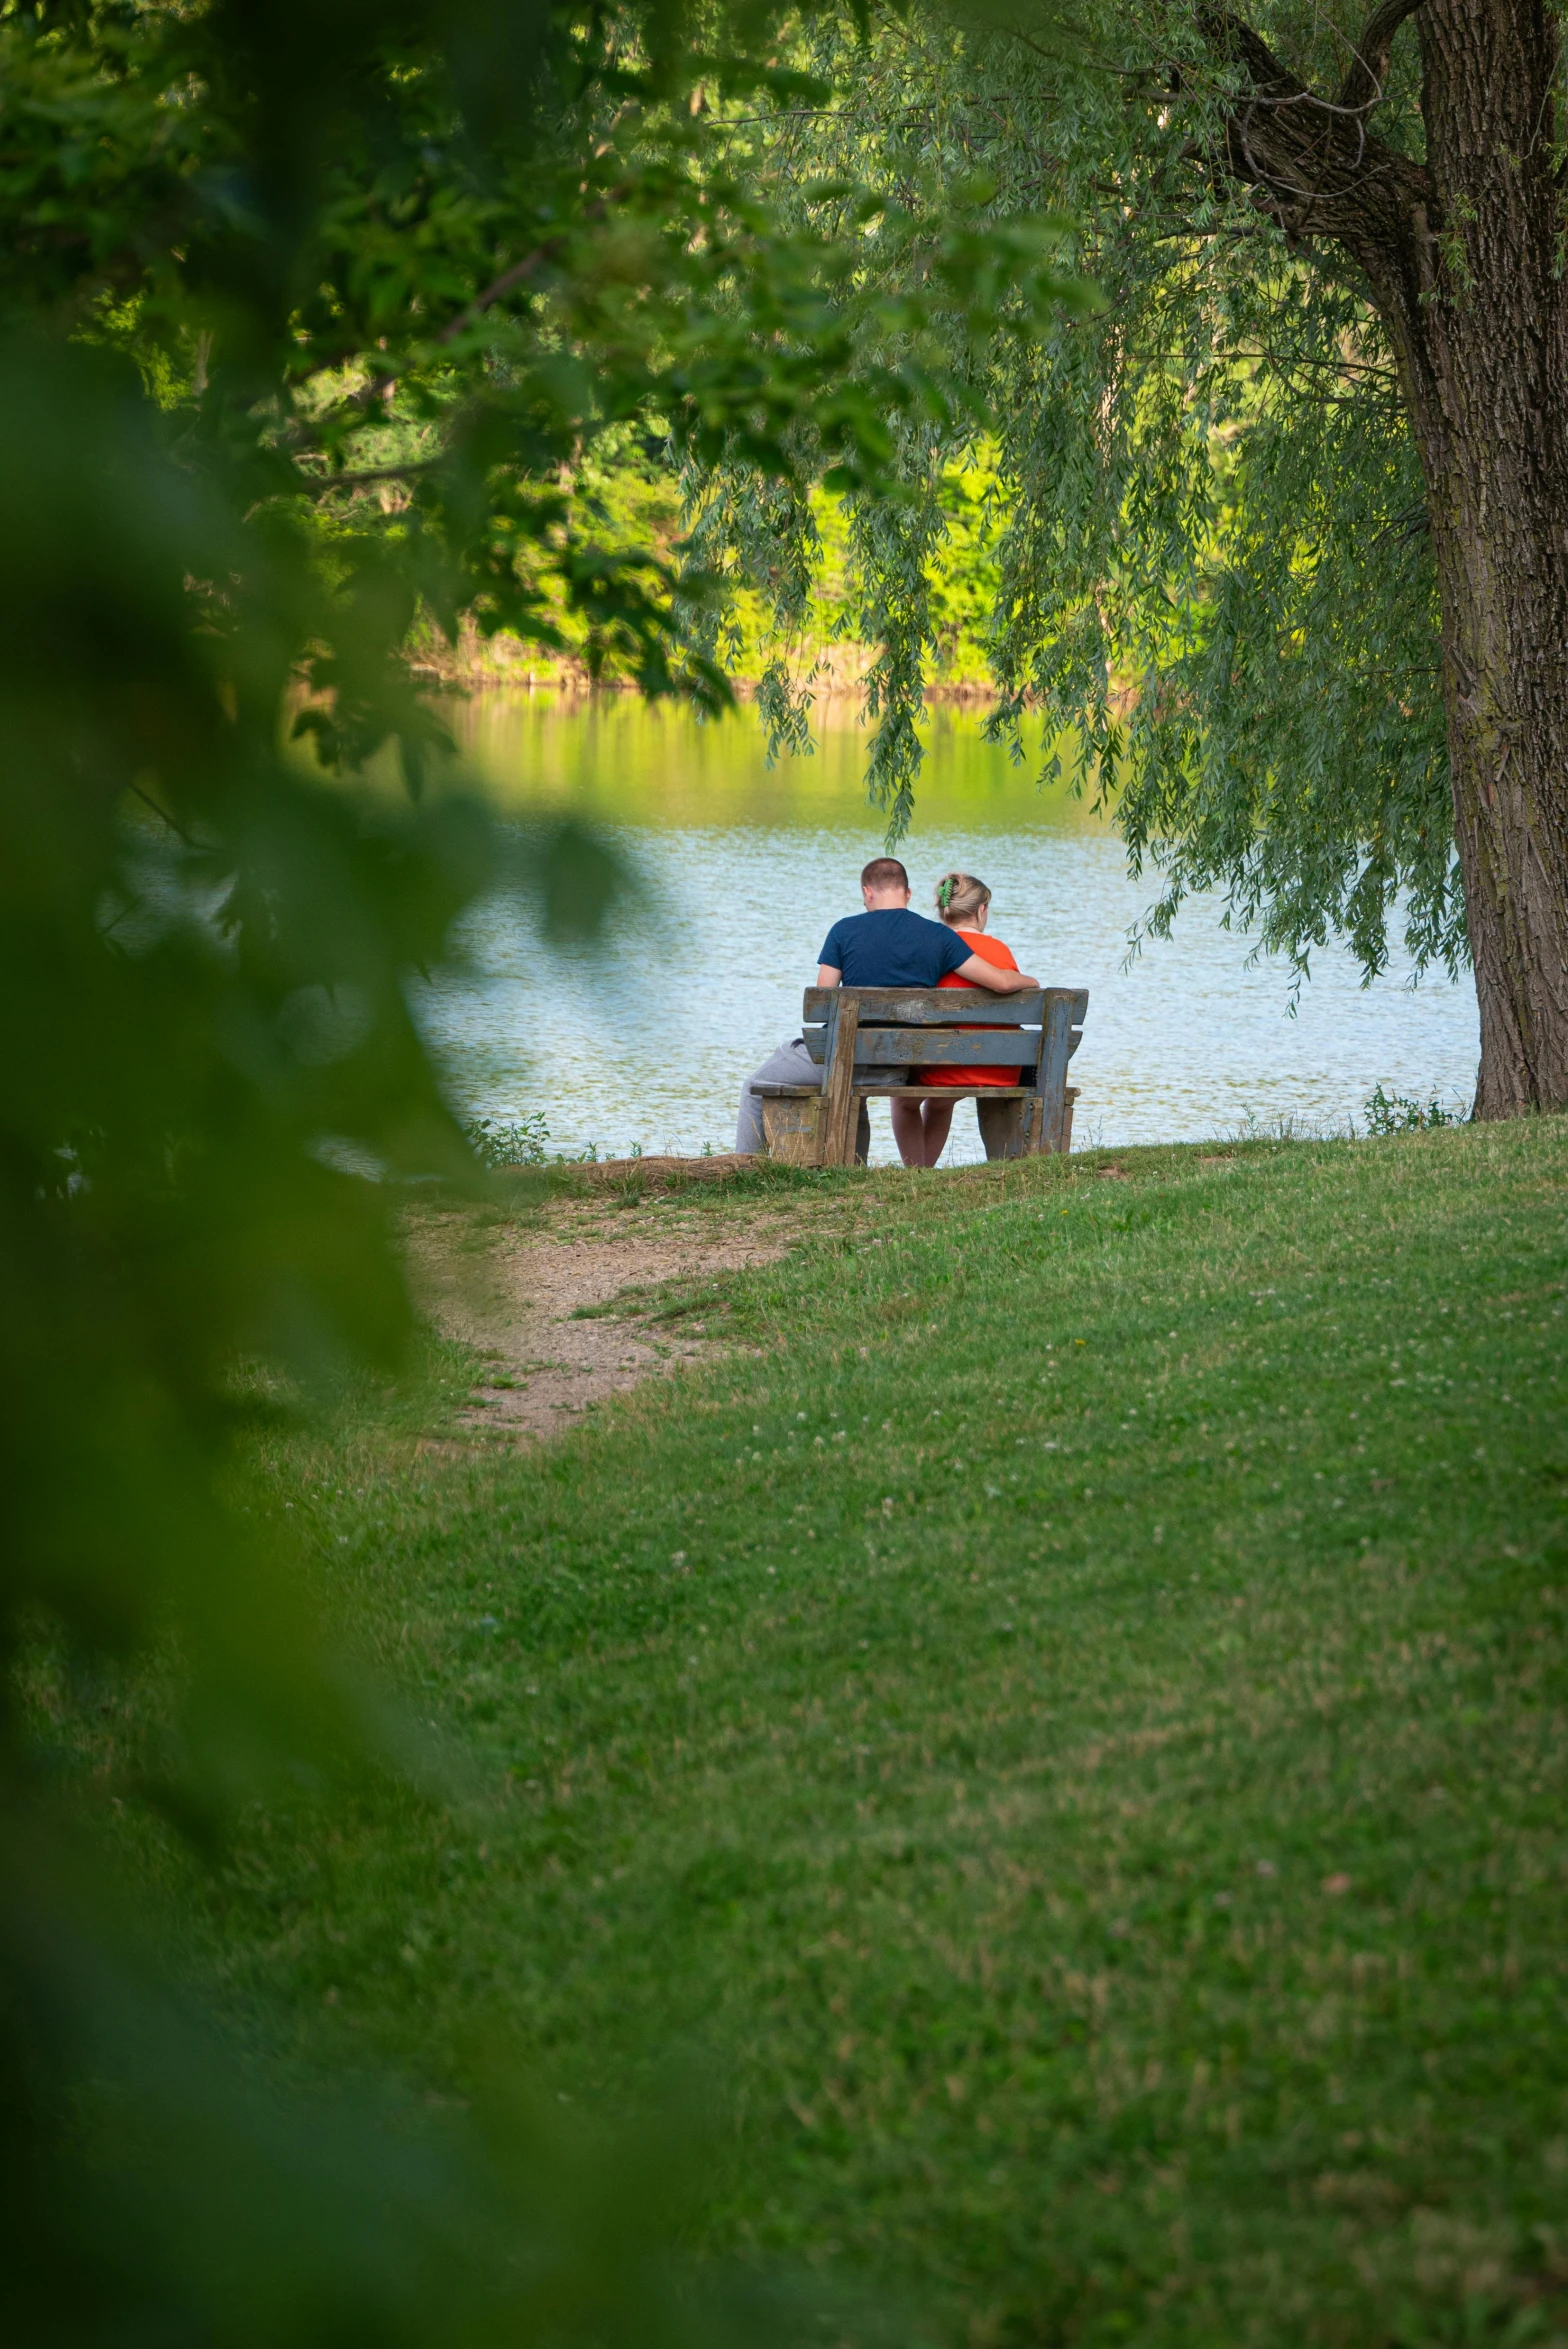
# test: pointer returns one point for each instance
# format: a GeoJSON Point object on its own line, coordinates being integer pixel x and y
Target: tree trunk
{"type": "Point", "coordinates": [1492, 427]}
{"type": "Point", "coordinates": [1462, 259]}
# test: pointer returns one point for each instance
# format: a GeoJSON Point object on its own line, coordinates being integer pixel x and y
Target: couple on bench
{"type": "Point", "coordinates": [888, 946]}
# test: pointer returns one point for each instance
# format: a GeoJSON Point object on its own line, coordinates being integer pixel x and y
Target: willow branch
{"type": "Point", "coordinates": [1311, 160]}
{"type": "Point", "coordinates": [1364, 83]}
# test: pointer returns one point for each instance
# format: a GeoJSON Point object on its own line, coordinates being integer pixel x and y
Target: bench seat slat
{"type": "Point", "coordinates": [903, 1092]}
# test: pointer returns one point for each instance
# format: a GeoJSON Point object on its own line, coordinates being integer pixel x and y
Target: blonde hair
{"type": "Point", "coordinates": [960, 896]}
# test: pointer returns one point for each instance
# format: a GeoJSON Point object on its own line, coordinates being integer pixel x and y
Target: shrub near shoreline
{"type": "Point", "coordinates": [1070, 1737]}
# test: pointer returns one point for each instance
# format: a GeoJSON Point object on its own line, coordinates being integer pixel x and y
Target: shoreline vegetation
{"type": "Point", "coordinates": [1086, 1803]}
{"type": "Point", "coordinates": [503, 663]}
{"type": "Point", "coordinates": [625, 497]}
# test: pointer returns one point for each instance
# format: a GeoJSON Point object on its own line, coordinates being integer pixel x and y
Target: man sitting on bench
{"type": "Point", "coordinates": [886, 946]}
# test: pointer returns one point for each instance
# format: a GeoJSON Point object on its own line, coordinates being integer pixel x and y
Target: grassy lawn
{"type": "Point", "coordinates": [1062, 1723]}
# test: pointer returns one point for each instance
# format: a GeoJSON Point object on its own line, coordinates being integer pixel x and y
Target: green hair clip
{"type": "Point", "coordinates": [944, 893]}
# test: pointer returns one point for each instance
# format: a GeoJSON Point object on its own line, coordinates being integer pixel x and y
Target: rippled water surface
{"type": "Point", "coordinates": [647, 1041]}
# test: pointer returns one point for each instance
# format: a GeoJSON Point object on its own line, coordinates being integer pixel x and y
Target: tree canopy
{"type": "Point", "coordinates": [1282, 539]}
{"type": "Point", "coordinates": [1214, 565]}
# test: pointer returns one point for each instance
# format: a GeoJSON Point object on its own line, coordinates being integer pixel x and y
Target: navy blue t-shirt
{"type": "Point", "coordinates": [892, 948]}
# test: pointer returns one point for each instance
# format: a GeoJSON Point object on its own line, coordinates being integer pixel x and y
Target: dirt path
{"type": "Point", "coordinates": [511, 1291]}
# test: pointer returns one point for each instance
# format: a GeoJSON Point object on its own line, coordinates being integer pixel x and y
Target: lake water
{"type": "Point", "coordinates": [646, 1041]}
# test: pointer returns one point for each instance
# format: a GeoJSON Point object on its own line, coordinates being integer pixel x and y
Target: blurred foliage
{"type": "Point", "coordinates": [310, 315]}
{"type": "Point", "coordinates": [1212, 562]}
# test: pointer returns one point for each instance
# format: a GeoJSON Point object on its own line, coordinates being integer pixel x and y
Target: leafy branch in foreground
{"type": "Point", "coordinates": [308, 317]}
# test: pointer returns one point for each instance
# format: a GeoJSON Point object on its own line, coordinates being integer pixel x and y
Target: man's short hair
{"type": "Point", "coordinates": [884, 872]}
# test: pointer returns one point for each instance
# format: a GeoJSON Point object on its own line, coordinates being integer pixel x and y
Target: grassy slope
{"type": "Point", "coordinates": [1073, 1728]}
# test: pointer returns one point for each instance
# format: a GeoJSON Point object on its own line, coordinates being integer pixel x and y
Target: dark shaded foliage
{"type": "Point", "coordinates": [306, 314]}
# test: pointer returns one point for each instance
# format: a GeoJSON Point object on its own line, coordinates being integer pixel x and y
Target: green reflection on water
{"type": "Point", "coordinates": [615, 759]}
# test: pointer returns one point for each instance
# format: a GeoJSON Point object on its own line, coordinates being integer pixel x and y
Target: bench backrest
{"type": "Point", "coordinates": [950, 1027]}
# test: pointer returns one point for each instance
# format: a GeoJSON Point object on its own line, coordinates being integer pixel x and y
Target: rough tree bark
{"type": "Point", "coordinates": [1462, 257]}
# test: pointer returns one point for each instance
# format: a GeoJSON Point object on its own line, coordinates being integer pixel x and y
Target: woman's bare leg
{"type": "Point", "coordinates": [908, 1131]}
{"type": "Point", "coordinates": [937, 1120]}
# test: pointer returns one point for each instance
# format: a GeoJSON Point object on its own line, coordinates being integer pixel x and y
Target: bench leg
{"type": "Point", "coordinates": [792, 1130]}
{"type": "Point", "coordinates": [839, 1105]}
{"type": "Point", "coordinates": [1054, 1128]}
{"type": "Point", "coordinates": [1053, 1122]}
{"type": "Point", "coordinates": [1004, 1127]}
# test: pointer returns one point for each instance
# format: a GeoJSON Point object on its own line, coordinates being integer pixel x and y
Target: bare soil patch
{"type": "Point", "coordinates": [512, 1290]}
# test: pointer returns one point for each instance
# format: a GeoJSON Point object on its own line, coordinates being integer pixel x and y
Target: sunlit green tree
{"type": "Point", "coordinates": [1285, 540]}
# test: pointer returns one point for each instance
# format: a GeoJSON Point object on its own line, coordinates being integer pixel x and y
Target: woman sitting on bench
{"type": "Point", "coordinates": [964, 904]}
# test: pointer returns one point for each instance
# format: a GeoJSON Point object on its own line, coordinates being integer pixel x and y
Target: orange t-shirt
{"type": "Point", "coordinates": [989, 950]}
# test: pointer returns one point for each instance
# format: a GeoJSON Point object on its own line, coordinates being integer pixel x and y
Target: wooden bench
{"type": "Point", "coordinates": [855, 1032]}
